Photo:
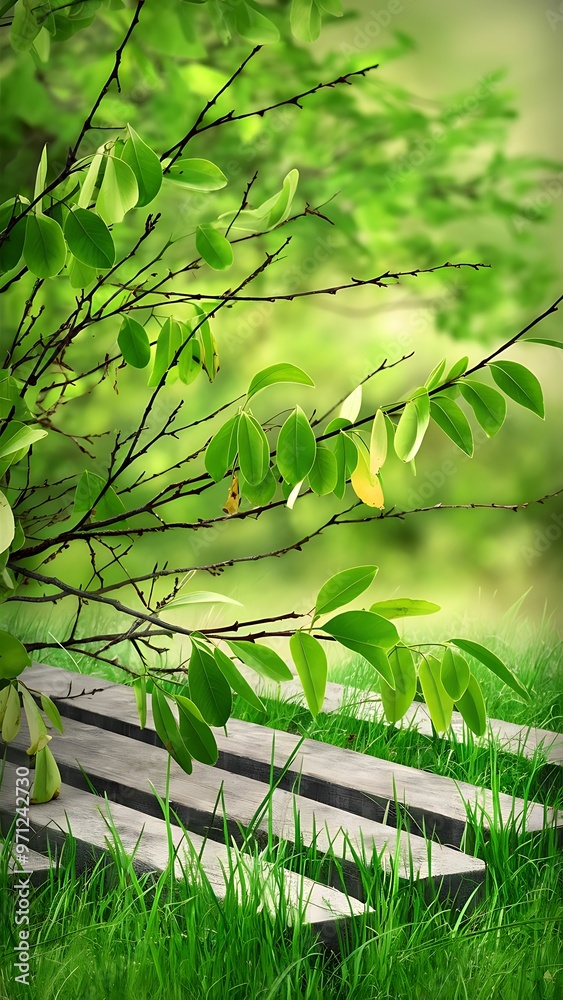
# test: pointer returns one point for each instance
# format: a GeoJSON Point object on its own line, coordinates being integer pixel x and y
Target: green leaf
{"type": "Point", "coordinates": [88, 490]}
{"type": "Point", "coordinates": [13, 657]}
{"type": "Point", "coordinates": [253, 449]}
{"type": "Point", "coordinates": [209, 689]}
{"type": "Point", "coordinates": [343, 588]}
{"type": "Point", "coordinates": [492, 661]}
{"type": "Point", "coordinates": [167, 346]}
{"type": "Point", "coordinates": [89, 239]}
{"type": "Point", "coordinates": [271, 213]}
{"type": "Point", "coordinates": [488, 405]}
{"type": "Point", "coordinates": [79, 274]}
{"type": "Point", "coordinates": [365, 633]}
{"type": "Point", "coordinates": [543, 340]}
{"type": "Point", "coordinates": [89, 182]}
{"type": "Point", "coordinates": [11, 247]}
{"type": "Point", "coordinates": [210, 359]}
{"type": "Point", "coordinates": [310, 659]}
{"type": "Point", "coordinates": [404, 607]}
{"type": "Point", "coordinates": [190, 360]}
{"type": "Point", "coordinates": [140, 691]}
{"type": "Point", "coordinates": [457, 370]}
{"type": "Point", "coordinates": [145, 164]}
{"type": "Point", "coordinates": [279, 207]}
{"type": "Point", "coordinates": [351, 406]}
{"type": "Point", "coordinates": [169, 732]}
{"type": "Point", "coordinates": [452, 420]}
{"type": "Point", "coordinates": [119, 191]}
{"type": "Point", "coordinates": [25, 27]}
{"type": "Point", "coordinates": [195, 732]}
{"type": "Point", "coordinates": [260, 494]}
{"type": "Point", "coordinates": [412, 426]}
{"type": "Point", "coordinates": [346, 455]}
{"type": "Point", "coordinates": [40, 180]}
{"type": "Point", "coordinates": [197, 175]}
{"type": "Point", "coordinates": [214, 248]}
{"type": "Point", "coordinates": [252, 24]}
{"type": "Point", "coordinates": [44, 249]}
{"type": "Point", "coordinates": [7, 523]}
{"type": "Point", "coordinates": [237, 681]}
{"type": "Point", "coordinates": [275, 374]}
{"type": "Point", "coordinates": [200, 597]}
{"type": "Point", "coordinates": [472, 707]}
{"type": "Point", "coordinates": [378, 443]}
{"type": "Point", "coordinates": [19, 437]}
{"type": "Point", "coordinates": [520, 384]}
{"type": "Point", "coordinates": [52, 712]}
{"type": "Point", "coordinates": [47, 780]}
{"type": "Point", "coordinates": [305, 20]}
{"type": "Point", "coordinates": [435, 375]}
{"type": "Point", "coordinates": [134, 343]}
{"type": "Point", "coordinates": [222, 448]}
{"type": "Point", "coordinates": [12, 709]}
{"type": "Point", "coordinates": [440, 705]}
{"type": "Point", "coordinates": [454, 673]}
{"type": "Point", "coordinates": [296, 447]}
{"type": "Point", "coordinates": [323, 475]}
{"type": "Point", "coordinates": [262, 659]}
{"type": "Point", "coordinates": [396, 700]}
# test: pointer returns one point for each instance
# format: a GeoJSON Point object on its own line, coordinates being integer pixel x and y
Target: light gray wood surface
{"type": "Point", "coordinates": [31, 864]}
{"type": "Point", "coordinates": [365, 705]}
{"type": "Point", "coordinates": [355, 782]}
{"type": "Point", "coordinates": [211, 798]}
{"type": "Point", "coordinates": [87, 816]}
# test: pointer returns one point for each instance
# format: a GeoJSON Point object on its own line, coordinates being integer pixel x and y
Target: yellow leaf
{"type": "Point", "coordinates": [233, 500]}
{"type": "Point", "coordinates": [366, 486]}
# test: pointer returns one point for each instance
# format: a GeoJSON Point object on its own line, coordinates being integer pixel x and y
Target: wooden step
{"type": "Point", "coordinates": [366, 706]}
{"type": "Point", "coordinates": [358, 783]}
{"type": "Point", "coordinates": [30, 865]}
{"type": "Point", "coordinates": [211, 798]}
{"type": "Point", "coordinates": [327, 910]}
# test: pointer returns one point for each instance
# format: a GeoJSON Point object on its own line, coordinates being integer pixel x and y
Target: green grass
{"type": "Point", "coordinates": [115, 935]}
{"type": "Point", "coordinates": [112, 933]}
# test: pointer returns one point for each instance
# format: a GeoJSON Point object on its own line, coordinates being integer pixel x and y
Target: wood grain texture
{"type": "Point", "coordinates": [373, 788]}
{"type": "Point", "coordinates": [87, 816]}
{"type": "Point", "coordinates": [365, 705]}
{"type": "Point", "coordinates": [211, 799]}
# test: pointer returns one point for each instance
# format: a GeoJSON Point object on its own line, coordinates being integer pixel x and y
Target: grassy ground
{"type": "Point", "coordinates": [113, 935]}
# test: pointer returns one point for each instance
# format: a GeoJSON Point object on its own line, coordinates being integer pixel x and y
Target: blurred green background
{"type": "Point", "coordinates": [449, 151]}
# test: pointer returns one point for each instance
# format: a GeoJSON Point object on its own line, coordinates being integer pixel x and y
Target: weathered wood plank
{"type": "Point", "coordinates": [30, 865]}
{"type": "Point", "coordinates": [343, 778]}
{"type": "Point", "coordinates": [212, 798]}
{"type": "Point", "coordinates": [86, 815]}
{"type": "Point", "coordinates": [365, 705]}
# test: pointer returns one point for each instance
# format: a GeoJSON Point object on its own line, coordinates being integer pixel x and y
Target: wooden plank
{"type": "Point", "coordinates": [30, 865]}
{"type": "Point", "coordinates": [343, 778]}
{"type": "Point", "coordinates": [365, 705]}
{"type": "Point", "coordinates": [211, 798]}
{"type": "Point", "coordinates": [86, 815]}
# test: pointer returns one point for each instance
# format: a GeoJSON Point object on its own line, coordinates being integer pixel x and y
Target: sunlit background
{"type": "Point", "coordinates": [435, 156]}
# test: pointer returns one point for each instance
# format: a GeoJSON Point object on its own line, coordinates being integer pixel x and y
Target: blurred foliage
{"type": "Point", "coordinates": [407, 183]}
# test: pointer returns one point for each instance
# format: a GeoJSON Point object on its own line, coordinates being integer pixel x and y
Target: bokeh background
{"type": "Point", "coordinates": [449, 151]}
